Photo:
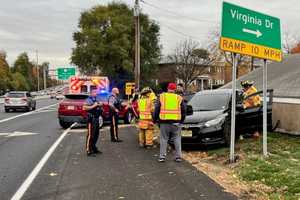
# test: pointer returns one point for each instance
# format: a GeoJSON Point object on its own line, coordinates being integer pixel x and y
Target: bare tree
{"type": "Point", "coordinates": [190, 60]}
{"type": "Point", "coordinates": [289, 42]}
{"type": "Point", "coordinates": [220, 55]}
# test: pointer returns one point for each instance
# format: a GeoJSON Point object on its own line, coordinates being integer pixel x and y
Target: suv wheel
{"type": "Point", "coordinates": [7, 110]}
{"type": "Point", "coordinates": [27, 109]}
{"type": "Point", "coordinates": [64, 125]}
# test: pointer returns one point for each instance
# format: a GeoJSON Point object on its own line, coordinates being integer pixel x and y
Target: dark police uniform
{"type": "Point", "coordinates": [114, 103]}
{"type": "Point", "coordinates": [93, 126]}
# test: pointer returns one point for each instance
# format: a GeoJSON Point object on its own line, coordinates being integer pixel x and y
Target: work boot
{"type": "Point", "coordinates": [178, 160]}
{"type": "Point", "coordinates": [96, 151]}
{"type": "Point", "coordinates": [90, 154]}
{"type": "Point", "coordinates": [161, 160]}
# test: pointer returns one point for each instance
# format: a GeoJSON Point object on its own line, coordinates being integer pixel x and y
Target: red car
{"type": "Point", "coordinates": [70, 110]}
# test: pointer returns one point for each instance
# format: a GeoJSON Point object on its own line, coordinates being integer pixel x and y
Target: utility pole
{"type": "Point", "coordinates": [45, 78]}
{"type": "Point", "coordinates": [38, 71]}
{"type": "Point", "coordinates": [137, 67]}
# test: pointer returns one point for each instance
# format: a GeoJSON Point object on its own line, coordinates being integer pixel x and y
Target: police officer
{"type": "Point", "coordinates": [94, 109]}
{"type": "Point", "coordinates": [170, 111]}
{"type": "Point", "coordinates": [115, 106]}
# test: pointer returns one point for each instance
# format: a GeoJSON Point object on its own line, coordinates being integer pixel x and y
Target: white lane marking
{"type": "Point", "coordinates": [17, 133]}
{"type": "Point", "coordinates": [106, 128]}
{"type": "Point", "coordinates": [26, 184]}
{"type": "Point", "coordinates": [78, 131]}
{"type": "Point", "coordinates": [28, 113]}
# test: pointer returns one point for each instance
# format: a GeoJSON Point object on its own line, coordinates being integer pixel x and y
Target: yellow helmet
{"type": "Point", "coordinates": [146, 90]}
{"type": "Point", "coordinates": [247, 83]}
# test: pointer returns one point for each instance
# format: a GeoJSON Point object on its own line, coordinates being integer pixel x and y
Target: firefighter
{"type": "Point", "coordinates": [250, 102]}
{"type": "Point", "coordinates": [115, 106]}
{"type": "Point", "coordinates": [249, 89]}
{"type": "Point", "coordinates": [146, 108]}
{"type": "Point", "coordinates": [169, 112]}
{"type": "Point", "coordinates": [180, 89]}
{"type": "Point", "coordinates": [94, 109]}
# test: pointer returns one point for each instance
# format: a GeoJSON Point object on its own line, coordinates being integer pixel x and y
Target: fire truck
{"type": "Point", "coordinates": [84, 84]}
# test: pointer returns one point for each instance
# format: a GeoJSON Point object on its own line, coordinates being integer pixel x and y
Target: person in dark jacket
{"type": "Point", "coordinates": [94, 109]}
{"type": "Point", "coordinates": [170, 112]}
{"type": "Point", "coordinates": [115, 104]}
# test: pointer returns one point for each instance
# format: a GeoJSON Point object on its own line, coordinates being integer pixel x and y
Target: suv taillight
{"type": "Point", "coordinates": [6, 100]}
{"type": "Point", "coordinates": [24, 99]}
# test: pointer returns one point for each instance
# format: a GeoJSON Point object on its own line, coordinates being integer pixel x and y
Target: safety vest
{"type": "Point", "coordinates": [170, 108]}
{"type": "Point", "coordinates": [144, 105]}
{"type": "Point", "coordinates": [253, 101]}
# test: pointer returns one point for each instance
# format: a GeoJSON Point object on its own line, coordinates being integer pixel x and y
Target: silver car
{"type": "Point", "coordinates": [15, 100]}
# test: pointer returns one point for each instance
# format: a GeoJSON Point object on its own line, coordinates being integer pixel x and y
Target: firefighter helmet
{"type": "Point", "coordinates": [146, 90]}
{"type": "Point", "coordinates": [246, 83]}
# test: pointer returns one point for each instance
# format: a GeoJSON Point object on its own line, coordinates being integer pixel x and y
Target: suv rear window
{"type": "Point", "coordinates": [16, 95]}
{"type": "Point", "coordinates": [76, 96]}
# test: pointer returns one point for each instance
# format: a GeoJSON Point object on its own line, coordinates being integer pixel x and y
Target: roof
{"type": "Point", "coordinates": [216, 91]}
{"type": "Point", "coordinates": [283, 77]}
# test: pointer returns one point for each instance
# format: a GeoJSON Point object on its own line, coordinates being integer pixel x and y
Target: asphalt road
{"type": "Point", "coordinates": [19, 155]}
{"type": "Point", "coordinates": [123, 171]}
{"type": "Point", "coordinates": [39, 104]}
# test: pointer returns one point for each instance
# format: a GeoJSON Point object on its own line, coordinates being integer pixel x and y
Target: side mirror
{"type": "Point", "coordinates": [240, 107]}
{"type": "Point", "coordinates": [189, 110]}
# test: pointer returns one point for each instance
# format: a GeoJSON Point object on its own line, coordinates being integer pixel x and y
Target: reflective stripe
{"type": "Point", "coordinates": [170, 106]}
{"type": "Point", "coordinates": [144, 105]}
{"type": "Point", "coordinates": [88, 142]}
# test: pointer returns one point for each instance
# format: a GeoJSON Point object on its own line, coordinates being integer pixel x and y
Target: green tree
{"type": "Point", "coordinates": [105, 42]}
{"type": "Point", "coordinates": [25, 67]}
{"type": "Point", "coordinates": [19, 82]}
{"type": "Point", "coordinates": [4, 73]}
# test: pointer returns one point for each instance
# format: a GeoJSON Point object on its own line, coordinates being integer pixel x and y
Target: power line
{"type": "Point", "coordinates": [179, 32]}
{"type": "Point", "coordinates": [175, 13]}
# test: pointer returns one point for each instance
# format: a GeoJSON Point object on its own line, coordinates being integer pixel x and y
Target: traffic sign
{"type": "Point", "coordinates": [250, 33]}
{"type": "Point", "coordinates": [65, 73]}
{"type": "Point", "coordinates": [129, 88]}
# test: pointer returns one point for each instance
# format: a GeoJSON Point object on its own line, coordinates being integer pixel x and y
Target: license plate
{"type": "Point", "coordinates": [71, 108]}
{"type": "Point", "coordinates": [186, 133]}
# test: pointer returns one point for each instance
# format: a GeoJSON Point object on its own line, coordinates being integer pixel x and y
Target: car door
{"type": "Point", "coordinates": [251, 119]}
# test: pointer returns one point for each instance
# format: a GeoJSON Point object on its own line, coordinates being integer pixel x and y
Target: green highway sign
{"type": "Point", "coordinates": [251, 33]}
{"type": "Point", "coordinates": [65, 73]}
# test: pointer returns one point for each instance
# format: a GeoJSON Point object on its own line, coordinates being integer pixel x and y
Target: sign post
{"type": "Point", "coordinates": [254, 34]}
{"type": "Point", "coordinates": [265, 148]}
{"type": "Point", "coordinates": [233, 108]}
{"type": "Point", "coordinates": [65, 73]}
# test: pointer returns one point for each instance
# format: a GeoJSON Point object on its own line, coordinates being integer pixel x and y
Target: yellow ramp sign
{"type": "Point", "coordinates": [250, 49]}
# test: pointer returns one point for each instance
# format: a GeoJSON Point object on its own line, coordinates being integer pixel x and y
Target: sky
{"type": "Point", "coordinates": [46, 26]}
